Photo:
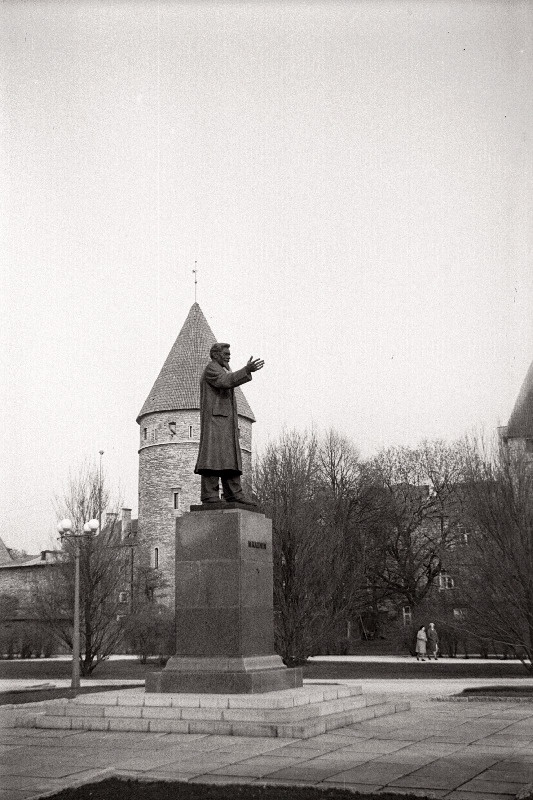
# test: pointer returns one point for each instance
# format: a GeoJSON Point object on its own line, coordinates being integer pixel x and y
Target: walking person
{"type": "Point", "coordinates": [432, 641]}
{"type": "Point", "coordinates": [421, 640]}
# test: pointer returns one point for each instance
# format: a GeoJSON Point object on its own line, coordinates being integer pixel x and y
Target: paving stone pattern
{"type": "Point", "coordinates": [481, 751]}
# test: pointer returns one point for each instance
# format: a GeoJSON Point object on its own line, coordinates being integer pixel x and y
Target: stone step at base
{"type": "Point", "coordinates": [262, 715]}
{"type": "Point", "coordinates": [294, 713]}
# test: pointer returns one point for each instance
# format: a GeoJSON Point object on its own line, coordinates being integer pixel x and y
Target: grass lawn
{"type": "Point", "coordinates": [500, 691]}
{"type": "Point", "coordinates": [46, 669]}
{"type": "Point", "coordinates": [410, 668]}
{"type": "Point", "coordinates": [130, 669]}
{"type": "Point", "coordinates": [140, 790]}
{"type": "Point", "coordinates": [20, 696]}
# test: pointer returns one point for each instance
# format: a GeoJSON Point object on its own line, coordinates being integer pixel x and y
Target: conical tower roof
{"type": "Point", "coordinates": [178, 384]}
{"type": "Point", "coordinates": [521, 420]}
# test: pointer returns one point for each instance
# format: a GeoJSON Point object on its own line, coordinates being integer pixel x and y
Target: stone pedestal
{"type": "Point", "coordinates": [224, 608]}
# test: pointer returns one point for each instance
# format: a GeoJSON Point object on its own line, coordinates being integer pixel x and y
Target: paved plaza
{"type": "Point", "coordinates": [456, 750]}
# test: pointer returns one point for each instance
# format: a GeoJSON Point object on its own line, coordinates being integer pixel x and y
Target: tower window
{"type": "Point", "coordinates": [190, 431]}
{"type": "Point", "coordinates": [176, 497]}
{"type": "Point", "coordinates": [145, 433]}
{"type": "Point", "coordinates": [156, 557]}
{"type": "Point", "coordinates": [172, 427]}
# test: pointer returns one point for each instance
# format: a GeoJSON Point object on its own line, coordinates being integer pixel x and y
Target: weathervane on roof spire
{"type": "Point", "coordinates": [195, 271]}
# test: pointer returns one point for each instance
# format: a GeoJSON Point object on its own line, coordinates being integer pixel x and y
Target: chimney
{"type": "Point", "coordinates": [126, 522]}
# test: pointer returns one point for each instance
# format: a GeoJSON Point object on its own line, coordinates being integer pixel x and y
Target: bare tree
{"type": "Point", "coordinates": [496, 581]}
{"type": "Point", "coordinates": [285, 483]}
{"type": "Point", "coordinates": [103, 572]}
{"type": "Point", "coordinates": [349, 514]}
{"type": "Point", "coordinates": [316, 492]}
{"type": "Point", "coordinates": [417, 496]}
{"type": "Point", "coordinates": [351, 535]}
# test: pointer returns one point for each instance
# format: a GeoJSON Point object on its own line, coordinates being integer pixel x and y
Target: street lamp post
{"type": "Point", "coordinates": [66, 532]}
{"type": "Point", "coordinates": [101, 453]}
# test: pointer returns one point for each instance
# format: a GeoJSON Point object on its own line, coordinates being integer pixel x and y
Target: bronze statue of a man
{"type": "Point", "coordinates": [219, 456]}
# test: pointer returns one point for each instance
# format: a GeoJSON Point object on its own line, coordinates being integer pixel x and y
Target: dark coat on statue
{"type": "Point", "coordinates": [219, 425]}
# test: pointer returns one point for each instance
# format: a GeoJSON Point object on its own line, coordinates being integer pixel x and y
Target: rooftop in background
{"type": "Point", "coordinates": [178, 384]}
{"type": "Point", "coordinates": [9, 557]}
{"type": "Point", "coordinates": [124, 526]}
{"type": "Point", "coordinates": [5, 555]}
{"type": "Point", "coordinates": [25, 560]}
{"type": "Point", "coordinates": [520, 423]}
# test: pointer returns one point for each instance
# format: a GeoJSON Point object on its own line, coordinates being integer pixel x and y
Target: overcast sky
{"type": "Point", "coordinates": [354, 180]}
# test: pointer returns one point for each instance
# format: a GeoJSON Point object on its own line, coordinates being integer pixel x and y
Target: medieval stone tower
{"type": "Point", "coordinates": [518, 434]}
{"type": "Point", "coordinates": [169, 424]}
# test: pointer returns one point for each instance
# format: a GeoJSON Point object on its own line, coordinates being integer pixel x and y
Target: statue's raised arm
{"type": "Point", "coordinates": [254, 364]}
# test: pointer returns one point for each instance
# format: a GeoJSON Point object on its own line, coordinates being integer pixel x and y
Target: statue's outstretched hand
{"type": "Point", "coordinates": [254, 364]}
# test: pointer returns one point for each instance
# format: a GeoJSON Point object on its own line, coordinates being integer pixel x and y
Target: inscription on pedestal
{"type": "Point", "coordinates": [258, 545]}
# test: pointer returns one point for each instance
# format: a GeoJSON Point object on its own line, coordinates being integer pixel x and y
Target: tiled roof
{"type": "Point", "coordinates": [521, 420]}
{"type": "Point", "coordinates": [178, 384]}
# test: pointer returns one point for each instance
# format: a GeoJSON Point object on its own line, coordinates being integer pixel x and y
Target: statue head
{"type": "Point", "coordinates": [220, 353]}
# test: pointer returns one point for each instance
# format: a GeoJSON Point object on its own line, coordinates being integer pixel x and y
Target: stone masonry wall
{"type": "Point", "coordinates": [245, 433]}
{"type": "Point", "coordinates": [20, 582]}
{"type": "Point", "coordinates": [518, 447]}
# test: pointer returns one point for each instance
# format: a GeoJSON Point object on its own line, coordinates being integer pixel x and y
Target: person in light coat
{"type": "Point", "coordinates": [421, 640]}
{"type": "Point", "coordinates": [219, 455]}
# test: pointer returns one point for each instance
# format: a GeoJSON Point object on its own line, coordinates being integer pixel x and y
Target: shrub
{"type": "Point", "coordinates": [150, 630]}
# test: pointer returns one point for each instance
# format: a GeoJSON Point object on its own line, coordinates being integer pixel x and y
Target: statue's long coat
{"type": "Point", "coordinates": [219, 425]}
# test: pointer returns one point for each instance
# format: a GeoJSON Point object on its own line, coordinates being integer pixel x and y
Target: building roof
{"type": "Point", "coordinates": [127, 536]}
{"type": "Point", "coordinates": [178, 384]}
{"type": "Point", "coordinates": [10, 558]}
{"type": "Point", "coordinates": [520, 423]}
{"type": "Point", "coordinates": [30, 561]}
{"type": "Point", "coordinates": [5, 555]}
